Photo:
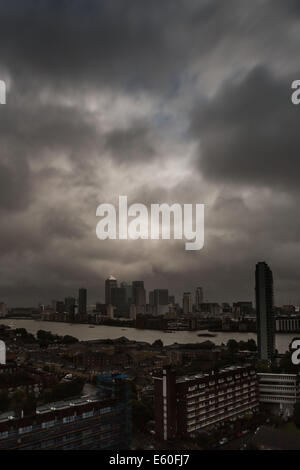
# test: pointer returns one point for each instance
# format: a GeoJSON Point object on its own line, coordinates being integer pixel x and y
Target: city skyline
{"type": "Point", "coordinates": [197, 293]}
{"type": "Point", "coordinates": [105, 298]}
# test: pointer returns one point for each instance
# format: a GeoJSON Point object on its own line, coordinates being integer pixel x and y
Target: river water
{"type": "Point", "coordinates": [83, 332]}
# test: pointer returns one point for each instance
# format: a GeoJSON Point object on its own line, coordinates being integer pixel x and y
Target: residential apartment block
{"type": "Point", "coordinates": [96, 422]}
{"type": "Point", "coordinates": [185, 405]}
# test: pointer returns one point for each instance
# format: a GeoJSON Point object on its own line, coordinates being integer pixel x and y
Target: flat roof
{"type": "Point", "coordinates": [60, 405]}
{"type": "Point", "coordinates": [200, 375]}
{"type": "Point", "coordinates": [7, 416]}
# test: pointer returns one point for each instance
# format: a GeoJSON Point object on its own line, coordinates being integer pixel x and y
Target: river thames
{"type": "Point", "coordinates": [83, 332]}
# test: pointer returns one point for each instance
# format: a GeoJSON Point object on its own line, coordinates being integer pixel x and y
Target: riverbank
{"type": "Point", "coordinates": [84, 333]}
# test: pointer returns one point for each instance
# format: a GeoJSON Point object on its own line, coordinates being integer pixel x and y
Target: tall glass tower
{"type": "Point", "coordinates": [264, 311]}
{"type": "Point", "coordinates": [110, 284]}
{"type": "Point", "coordinates": [82, 301]}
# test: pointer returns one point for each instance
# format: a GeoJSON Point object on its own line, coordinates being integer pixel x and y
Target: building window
{"type": "Point", "coordinates": [48, 424]}
{"type": "Point", "coordinates": [25, 429]}
{"type": "Point", "coordinates": [68, 419]}
{"type": "Point", "coordinates": [105, 410]}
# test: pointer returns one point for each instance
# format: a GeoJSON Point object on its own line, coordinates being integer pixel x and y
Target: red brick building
{"type": "Point", "coordinates": [83, 423]}
{"type": "Point", "coordinates": [97, 360]}
{"type": "Point", "coordinates": [185, 405]}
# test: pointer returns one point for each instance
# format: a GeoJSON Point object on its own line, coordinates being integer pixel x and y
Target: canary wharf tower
{"type": "Point", "coordinates": [264, 311]}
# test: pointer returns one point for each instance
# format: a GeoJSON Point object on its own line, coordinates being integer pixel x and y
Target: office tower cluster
{"type": "Point", "coordinates": [190, 304]}
{"type": "Point", "coordinates": [71, 309]}
{"type": "Point", "coordinates": [130, 299]}
{"type": "Point", "coordinates": [159, 299]}
{"type": "Point", "coordinates": [193, 303]}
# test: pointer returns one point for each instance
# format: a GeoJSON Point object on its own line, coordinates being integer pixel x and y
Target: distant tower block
{"type": "Point", "coordinates": [264, 311]}
{"type": "Point", "coordinates": [110, 283]}
{"type": "Point", "coordinates": [2, 352]}
{"type": "Point", "coordinates": [199, 298]}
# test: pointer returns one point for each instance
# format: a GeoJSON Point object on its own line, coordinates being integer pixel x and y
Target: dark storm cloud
{"type": "Point", "coordinates": [292, 7]}
{"type": "Point", "coordinates": [100, 94]}
{"type": "Point", "coordinates": [249, 132]}
{"type": "Point", "coordinates": [30, 130]}
{"type": "Point", "coordinates": [130, 44]}
{"type": "Point", "coordinates": [61, 223]}
{"type": "Point", "coordinates": [15, 185]}
{"type": "Point", "coordinates": [128, 145]}
{"type": "Point", "coordinates": [30, 126]}
{"type": "Point", "coordinates": [18, 237]}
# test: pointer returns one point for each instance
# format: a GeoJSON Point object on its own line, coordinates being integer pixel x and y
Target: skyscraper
{"type": "Point", "coordinates": [139, 296]}
{"type": "Point", "coordinates": [199, 298]}
{"type": "Point", "coordinates": [161, 301]}
{"type": "Point", "coordinates": [118, 300]}
{"type": "Point", "coordinates": [70, 303]}
{"type": "Point", "coordinates": [138, 293]}
{"type": "Point", "coordinates": [82, 301]}
{"type": "Point", "coordinates": [161, 297]}
{"type": "Point", "coordinates": [264, 311]}
{"type": "Point", "coordinates": [187, 303]}
{"type": "Point", "coordinates": [151, 298]}
{"type": "Point", "coordinates": [128, 288]}
{"type": "Point", "coordinates": [110, 283]}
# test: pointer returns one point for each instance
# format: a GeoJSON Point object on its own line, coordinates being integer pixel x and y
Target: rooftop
{"type": "Point", "coordinates": [200, 375]}
{"type": "Point", "coordinates": [58, 405]}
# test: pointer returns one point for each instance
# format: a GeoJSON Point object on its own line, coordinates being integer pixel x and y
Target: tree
{"type": "Point", "coordinates": [249, 345]}
{"type": "Point", "coordinates": [46, 396]}
{"type": "Point", "coordinates": [29, 405]}
{"type": "Point", "coordinates": [204, 440]}
{"type": "Point", "coordinates": [252, 345]}
{"type": "Point", "coordinates": [63, 390]}
{"type": "Point", "coordinates": [25, 336]}
{"type": "Point", "coordinates": [44, 336]}
{"type": "Point", "coordinates": [262, 366]}
{"type": "Point", "coordinates": [141, 414]}
{"type": "Point", "coordinates": [4, 400]}
{"type": "Point", "coordinates": [157, 343]}
{"type": "Point", "coordinates": [67, 339]}
{"type": "Point", "coordinates": [286, 364]}
{"type": "Point", "coordinates": [18, 400]}
{"type": "Point", "coordinates": [232, 345]}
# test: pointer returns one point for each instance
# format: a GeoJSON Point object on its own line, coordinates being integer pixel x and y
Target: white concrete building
{"type": "Point", "coordinates": [288, 324]}
{"type": "Point", "coordinates": [280, 391]}
{"type": "Point", "coordinates": [2, 352]}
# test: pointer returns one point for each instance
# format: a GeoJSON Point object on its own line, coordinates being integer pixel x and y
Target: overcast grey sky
{"type": "Point", "coordinates": [163, 101]}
